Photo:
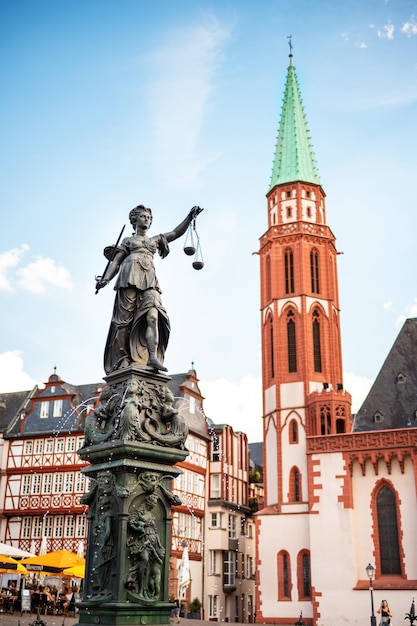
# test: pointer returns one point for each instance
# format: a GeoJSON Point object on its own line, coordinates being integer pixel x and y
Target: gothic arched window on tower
{"type": "Point", "coordinates": [284, 576]}
{"type": "Point", "coordinates": [389, 550]}
{"type": "Point", "coordinates": [270, 339]}
{"type": "Point", "coordinates": [289, 271]}
{"type": "Point", "coordinates": [291, 342]}
{"type": "Point", "coordinates": [293, 431]}
{"type": "Point", "coordinates": [325, 420]}
{"type": "Point", "coordinates": [303, 575]}
{"type": "Point", "coordinates": [314, 271]}
{"type": "Point", "coordinates": [268, 278]}
{"type": "Point", "coordinates": [295, 485]}
{"type": "Point", "coordinates": [316, 341]}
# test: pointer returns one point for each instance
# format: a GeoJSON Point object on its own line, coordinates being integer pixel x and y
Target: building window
{"type": "Point", "coordinates": [314, 271]}
{"type": "Point", "coordinates": [289, 211]}
{"type": "Point", "coordinates": [38, 446]}
{"type": "Point", "coordinates": [26, 480]}
{"type": "Point", "coordinates": [293, 431]}
{"type": "Point", "coordinates": [232, 527]}
{"type": "Point", "coordinates": [215, 486]}
{"type": "Point", "coordinates": [28, 447]}
{"type": "Point", "coordinates": [47, 484]}
{"type": "Point", "coordinates": [59, 526]}
{"type": "Point", "coordinates": [48, 522]}
{"type": "Point", "coordinates": [213, 606]}
{"type": "Point", "coordinates": [229, 570]}
{"type": "Point", "coordinates": [68, 482]}
{"type": "Point", "coordinates": [284, 576]}
{"type": "Point", "coordinates": [44, 409]}
{"type": "Point", "coordinates": [325, 420]}
{"type": "Point", "coordinates": [58, 480]}
{"type": "Point", "coordinates": [289, 271]}
{"type": "Point", "coordinates": [49, 446]}
{"type": "Point", "coordinates": [212, 562]}
{"type": "Point", "coordinates": [81, 527]}
{"type": "Point", "coordinates": [69, 526]}
{"type": "Point", "coordinates": [271, 346]}
{"type": "Point", "coordinates": [36, 527]}
{"type": "Point", "coordinates": [268, 278]}
{"type": "Point", "coordinates": [316, 342]}
{"type": "Point", "coordinates": [215, 520]}
{"type": "Point", "coordinates": [306, 576]}
{"type": "Point", "coordinates": [60, 445]}
{"type": "Point", "coordinates": [70, 444]}
{"type": "Point", "coordinates": [57, 411]}
{"type": "Point", "coordinates": [292, 342]}
{"type": "Point", "coordinates": [36, 484]}
{"type": "Point", "coordinates": [295, 485]}
{"type": "Point", "coordinates": [249, 566]}
{"type": "Point", "coordinates": [389, 551]}
{"type": "Point", "coordinates": [79, 482]}
{"type": "Point", "coordinates": [249, 531]}
{"type": "Point", "coordinates": [26, 527]}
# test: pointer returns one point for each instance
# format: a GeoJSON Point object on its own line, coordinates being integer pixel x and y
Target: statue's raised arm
{"type": "Point", "coordinates": [181, 228]}
{"type": "Point", "coordinates": [140, 327]}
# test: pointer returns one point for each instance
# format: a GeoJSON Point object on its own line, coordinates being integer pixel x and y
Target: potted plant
{"type": "Point", "coordinates": [194, 609]}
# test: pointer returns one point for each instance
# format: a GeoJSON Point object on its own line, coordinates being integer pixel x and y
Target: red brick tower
{"type": "Point", "coordinates": [302, 363]}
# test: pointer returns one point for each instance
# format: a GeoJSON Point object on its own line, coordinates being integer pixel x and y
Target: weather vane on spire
{"type": "Point", "coordinates": [289, 37]}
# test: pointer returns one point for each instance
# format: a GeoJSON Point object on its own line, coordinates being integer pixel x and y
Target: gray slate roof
{"type": "Point", "coordinates": [392, 400]}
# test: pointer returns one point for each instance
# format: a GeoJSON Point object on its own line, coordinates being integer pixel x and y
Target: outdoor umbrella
{"type": "Point", "coordinates": [78, 571]}
{"type": "Point", "coordinates": [7, 564]}
{"type": "Point", "coordinates": [53, 562]}
{"type": "Point", "coordinates": [8, 550]}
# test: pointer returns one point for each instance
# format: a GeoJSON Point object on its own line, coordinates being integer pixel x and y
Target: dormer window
{"type": "Point", "coordinates": [378, 417]}
{"type": "Point", "coordinates": [401, 378]}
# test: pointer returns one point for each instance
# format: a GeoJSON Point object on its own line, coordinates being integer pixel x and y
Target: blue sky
{"type": "Point", "coordinates": [110, 104]}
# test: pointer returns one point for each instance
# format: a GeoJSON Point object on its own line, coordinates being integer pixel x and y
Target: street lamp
{"type": "Point", "coordinates": [370, 571]}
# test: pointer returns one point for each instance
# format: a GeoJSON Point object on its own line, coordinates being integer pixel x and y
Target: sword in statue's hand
{"type": "Point", "coordinates": [109, 253]}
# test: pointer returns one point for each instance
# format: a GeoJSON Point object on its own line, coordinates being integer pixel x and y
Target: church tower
{"type": "Point", "coordinates": [303, 393]}
{"type": "Point", "coordinates": [301, 346]}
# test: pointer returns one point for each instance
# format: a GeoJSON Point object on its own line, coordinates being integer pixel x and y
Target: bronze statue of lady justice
{"type": "Point", "coordinates": [139, 328]}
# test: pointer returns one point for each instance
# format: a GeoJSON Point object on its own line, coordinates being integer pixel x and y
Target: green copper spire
{"type": "Point", "coordinates": [294, 157]}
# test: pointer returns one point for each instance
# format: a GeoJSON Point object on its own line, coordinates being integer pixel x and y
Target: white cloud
{"type": "Point", "coordinates": [41, 272]}
{"type": "Point", "coordinates": [184, 72]}
{"type": "Point", "coordinates": [409, 28]}
{"type": "Point", "coordinates": [358, 387]}
{"type": "Point", "coordinates": [12, 376]}
{"type": "Point", "coordinates": [387, 32]}
{"type": "Point", "coordinates": [9, 259]}
{"type": "Point", "coordinates": [238, 404]}
{"type": "Point", "coordinates": [387, 305]}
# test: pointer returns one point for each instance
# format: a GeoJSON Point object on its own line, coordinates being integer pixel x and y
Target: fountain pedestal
{"type": "Point", "coordinates": [133, 441]}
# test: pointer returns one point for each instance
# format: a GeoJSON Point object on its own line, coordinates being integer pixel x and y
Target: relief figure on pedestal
{"type": "Point", "coordinates": [145, 551]}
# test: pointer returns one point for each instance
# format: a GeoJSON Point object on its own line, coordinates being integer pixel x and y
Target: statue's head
{"type": "Point", "coordinates": [136, 211]}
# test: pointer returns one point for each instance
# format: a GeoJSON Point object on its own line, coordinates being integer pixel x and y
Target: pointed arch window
{"type": "Point", "coordinates": [314, 271]}
{"type": "Point", "coordinates": [270, 338]}
{"type": "Point", "coordinates": [268, 278]}
{"type": "Point", "coordinates": [291, 342]}
{"type": "Point", "coordinates": [316, 341]}
{"type": "Point", "coordinates": [289, 270]}
{"type": "Point", "coordinates": [284, 576]}
{"type": "Point", "coordinates": [293, 431]}
{"type": "Point", "coordinates": [295, 485]}
{"type": "Point", "coordinates": [389, 549]}
{"type": "Point", "coordinates": [304, 575]}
